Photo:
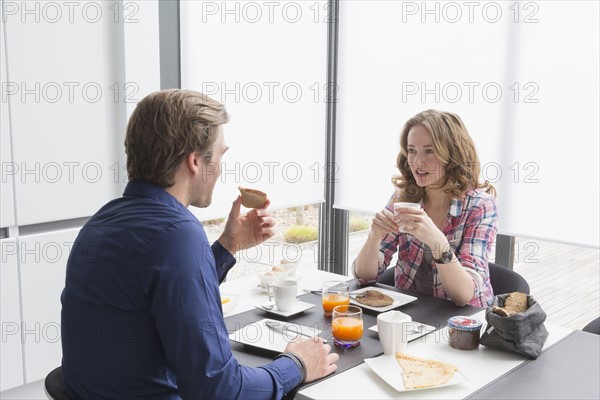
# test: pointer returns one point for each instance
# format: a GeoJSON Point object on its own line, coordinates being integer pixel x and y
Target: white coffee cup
{"type": "Point", "coordinates": [284, 292]}
{"type": "Point", "coordinates": [393, 328]}
{"type": "Point", "coordinates": [406, 204]}
{"type": "Point", "coordinates": [416, 206]}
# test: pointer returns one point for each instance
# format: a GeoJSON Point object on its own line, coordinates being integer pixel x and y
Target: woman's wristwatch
{"type": "Point", "coordinates": [445, 258]}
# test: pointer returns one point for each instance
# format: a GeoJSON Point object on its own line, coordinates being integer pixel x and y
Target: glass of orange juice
{"type": "Point", "coordinates": [347, 326]}
{"type": "Point", "coordinates": [335, 293]}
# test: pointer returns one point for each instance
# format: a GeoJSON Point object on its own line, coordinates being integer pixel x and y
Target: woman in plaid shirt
{"type": "Point", "coordinates": [444, 245]}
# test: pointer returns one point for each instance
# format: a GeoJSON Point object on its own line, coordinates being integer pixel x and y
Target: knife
{"type": "Point", "coordinates": [278, 327]}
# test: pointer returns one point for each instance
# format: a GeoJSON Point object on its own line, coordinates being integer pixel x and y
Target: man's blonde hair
{"type": "Point", "coordinates": [165, 127]}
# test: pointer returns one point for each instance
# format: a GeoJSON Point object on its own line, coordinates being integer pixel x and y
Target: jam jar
{"type": "Point", "coordinates": [464, 332]}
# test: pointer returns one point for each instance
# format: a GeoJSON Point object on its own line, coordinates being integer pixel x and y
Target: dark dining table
{"type": "Point", "coordinates": [569, 368]}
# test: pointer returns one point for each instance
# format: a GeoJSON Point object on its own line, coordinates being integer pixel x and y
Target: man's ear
{"type": "Point", "coordinates": [193, 163]}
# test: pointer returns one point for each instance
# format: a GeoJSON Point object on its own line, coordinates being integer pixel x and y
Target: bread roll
{"type": "Point", "coordinates": [252, 198]}
{"type": "Point", "coordinates": [515, 303]}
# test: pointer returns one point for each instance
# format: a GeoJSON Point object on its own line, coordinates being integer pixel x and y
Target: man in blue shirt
{"type": "Point", "coordinates": [141, 312]}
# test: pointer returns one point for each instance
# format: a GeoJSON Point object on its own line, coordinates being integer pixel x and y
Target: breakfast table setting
{"type": "Point", "coordinates": [394, 343]}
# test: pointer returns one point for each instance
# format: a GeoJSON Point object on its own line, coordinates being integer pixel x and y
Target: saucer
{"type": "Point", "coordinates": [259, 289]}
{"type": "Point", "coordinates": [299, 307]}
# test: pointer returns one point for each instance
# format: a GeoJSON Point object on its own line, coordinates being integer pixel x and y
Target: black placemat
{"type": "Point", "coordinates": [313, 317]}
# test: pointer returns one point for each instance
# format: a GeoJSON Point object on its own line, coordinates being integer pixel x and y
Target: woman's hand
{"type": "Point", "coordinates": [245, 231]}
{"type": "Point", "coordinates": [417, 223]}
{"type": "Point", "coordinates": [383, 223]}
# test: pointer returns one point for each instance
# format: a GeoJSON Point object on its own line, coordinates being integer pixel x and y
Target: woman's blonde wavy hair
{"type": "Point", "coordinates": [455, 149]}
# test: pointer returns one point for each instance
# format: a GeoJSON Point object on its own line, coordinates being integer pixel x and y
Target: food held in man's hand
{"type": "Point", "coordinates": [420, 373]}
{"type": "Point", "coordinates": [514, 303]}
{"type": "Point", "coordinates": [374, 298]}
{"type": "Point", "coordinates": [252, 198]}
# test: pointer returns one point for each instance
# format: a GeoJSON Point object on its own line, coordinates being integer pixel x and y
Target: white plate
{"type": "Point", "coordinates": [388, 369]}
{"type": "Point", "coordinates": [257, 334]}
{"type": "Point", "coordinates": [233, 300]}
{"type": "Point", "coordinates": [399, 299]}
{"type": "Point", "coordinates": [299, 306]}
{"type": "Point", "coordinates": [424, 330]}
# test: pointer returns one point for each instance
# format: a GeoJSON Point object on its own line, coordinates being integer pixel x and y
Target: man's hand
{"type": "Point", "coordinates": [245, 231]}
{"type": "Point", "coordinates": [317, 357]}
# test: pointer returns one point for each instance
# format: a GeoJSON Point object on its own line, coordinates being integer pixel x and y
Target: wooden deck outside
{"type": "Point", "coordinates": [564, 279]}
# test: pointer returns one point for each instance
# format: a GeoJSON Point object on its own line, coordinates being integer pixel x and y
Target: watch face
{"type": "Point", "coordinates": [446, 257]}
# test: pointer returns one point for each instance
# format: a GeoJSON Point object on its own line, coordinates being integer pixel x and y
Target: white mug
{"type": "Point", "coordinates": [393, 328]}
{"type": "Point", "coordinates": [284, 292]}
{"type": "Point", "coordinates": [406, 204]}
{"type": "Point", "coordinates": [416, 206]}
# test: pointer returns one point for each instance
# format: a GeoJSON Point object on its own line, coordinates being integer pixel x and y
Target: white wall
{"type": "Point", "coordinates": [43, 260]}
{"type": "Point", "coordinates": [11, 360]}
{"type": "Point", "coordinates": [63, 89]}
{"type": "Point", "coordinates": [7, 207]}
{"type": "Point", "coordinates": [67, 88]}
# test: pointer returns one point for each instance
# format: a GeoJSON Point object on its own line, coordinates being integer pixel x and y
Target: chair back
{"type": "Point", "coordinates": [387, 278]}
{"type": "Point", "coordinates": [593, 326]}
{"type": "Point", "coordinates": [54, 385]}
{"type": "Point", "coordinates": [505, 280]}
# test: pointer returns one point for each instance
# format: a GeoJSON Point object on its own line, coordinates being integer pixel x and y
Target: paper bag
{"type": "Point", "coordinates": [523, 333]}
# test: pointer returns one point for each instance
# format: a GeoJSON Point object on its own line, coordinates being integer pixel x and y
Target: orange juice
{"type": "Point", "coordinates": [347, 328]}
{"type": "Point", "coordinates": [334, 299]}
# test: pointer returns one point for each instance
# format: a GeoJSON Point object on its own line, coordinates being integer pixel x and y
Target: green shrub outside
{"type": "Point", "coordinates": [358, 224]}
{"type": "Point", "coordinates": [301, 234]}
{"type": "Point", "coordinates": [214, 221]}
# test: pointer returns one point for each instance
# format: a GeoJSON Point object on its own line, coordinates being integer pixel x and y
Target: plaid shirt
{"type": "Point", "coordinates": [470, 228]}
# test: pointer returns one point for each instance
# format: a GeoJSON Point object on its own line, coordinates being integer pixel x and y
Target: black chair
{"type": "Point", "coordinates": [54, 385]}
{"type": "Point", "coordinates": [387, 278]}
{"type": "Point", "coordinates": [505, 280]}
{"type": "Point", "coordinates": [593, 326]}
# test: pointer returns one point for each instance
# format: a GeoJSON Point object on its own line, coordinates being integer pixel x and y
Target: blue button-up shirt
{"type": "Point", "coordinates": [142, 315]}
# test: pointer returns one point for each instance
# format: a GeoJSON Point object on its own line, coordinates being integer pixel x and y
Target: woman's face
{"type": "Point", "coordinates": [424, 164]}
